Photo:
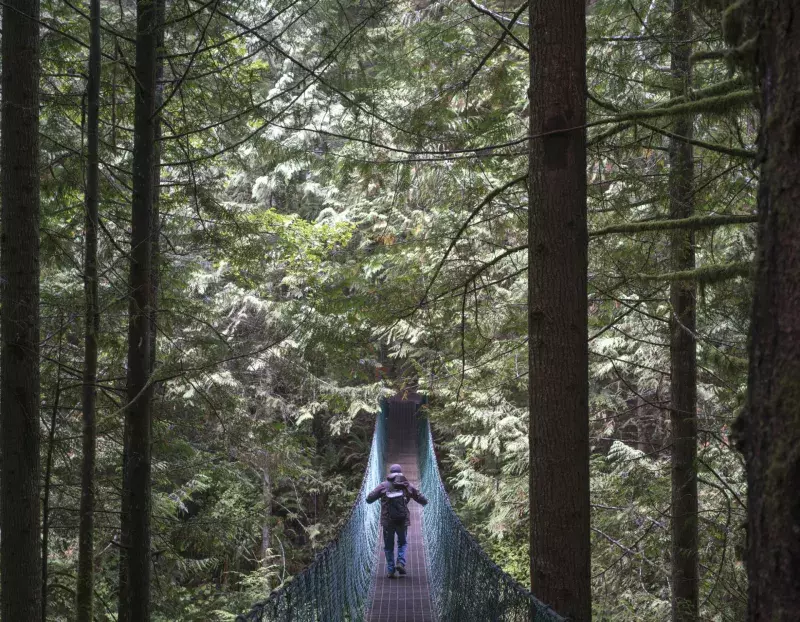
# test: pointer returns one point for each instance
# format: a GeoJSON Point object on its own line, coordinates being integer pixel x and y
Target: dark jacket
{"type": "Point", "coordinates": [409, 492]}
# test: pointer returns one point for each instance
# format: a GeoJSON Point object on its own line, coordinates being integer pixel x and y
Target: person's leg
{"type": "Point", "coordinates": [388, 548]}
{"type": "Point", "coordinates": [402, 545]}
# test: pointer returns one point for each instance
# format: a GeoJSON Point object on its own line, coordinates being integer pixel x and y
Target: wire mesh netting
{"type": "Point", "coordinates": [334, 588]}
{"type": "Point", "coordinates": [466, 585]}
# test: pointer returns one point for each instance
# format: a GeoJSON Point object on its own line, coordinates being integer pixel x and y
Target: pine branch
{"type": "Point", "coordinates": [734, 152]}
{"type": "Point", "coordinates": [706, 274]}
{"type": "Point", "coordinates": [698, 57]}
{"type": "Point", "coordinates": [717, 104]}
{"type": "Point", "coordinates": [613, 131]}
{"type": "Point", "coordinates": [694, 223]}
{"type": "Point", "coordinates": [486, 201]}
{"type": "Point", "coordinates": [498, 20]}
{"type": "Point", "coordinates": [495, 47]}
{"type": "Point", "coordinates": [720, 88]}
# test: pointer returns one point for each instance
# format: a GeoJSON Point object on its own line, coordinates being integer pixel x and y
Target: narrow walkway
{"type": "Point", "coordinates": [405, 599]}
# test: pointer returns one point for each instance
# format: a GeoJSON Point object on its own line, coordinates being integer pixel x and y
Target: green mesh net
{"type": "Point", "coordinates": [334, 588]}
{"type": "Point", "coordinates": [466, 585]}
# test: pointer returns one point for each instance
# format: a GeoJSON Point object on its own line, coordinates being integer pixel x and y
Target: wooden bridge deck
{"type": "Point", "coordinates": [404, 599]}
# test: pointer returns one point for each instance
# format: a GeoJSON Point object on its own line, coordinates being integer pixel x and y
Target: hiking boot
{"type": "Point", "coordinates": [391, 575]}
{"type": "Point", "coordinates": [401, 569]}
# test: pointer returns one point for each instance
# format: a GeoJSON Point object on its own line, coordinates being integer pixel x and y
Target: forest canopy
{"type": "Point", "coordinates": [230, 228]}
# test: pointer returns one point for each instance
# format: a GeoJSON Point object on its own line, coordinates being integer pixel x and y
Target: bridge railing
{"type": "Point", "coordinates": [335, 587]}
{"type": "Point", "coordinates": [466, 585]}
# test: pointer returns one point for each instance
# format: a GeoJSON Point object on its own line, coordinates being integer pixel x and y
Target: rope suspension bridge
{"type": "Point", "coordinates": [451, 578]}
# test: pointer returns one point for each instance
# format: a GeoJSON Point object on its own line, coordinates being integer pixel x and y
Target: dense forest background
{"type": "Point", "coordinates": [341, 212]}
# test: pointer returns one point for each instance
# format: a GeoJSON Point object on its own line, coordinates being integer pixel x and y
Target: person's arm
{"type": "Point", "coordinates": [417, 495]}
{"type": "Point", "coordinates": [375, 494]}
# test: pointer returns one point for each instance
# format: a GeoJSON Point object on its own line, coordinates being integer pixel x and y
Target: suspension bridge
{"type": "Point", "coordinates": [450, 577]}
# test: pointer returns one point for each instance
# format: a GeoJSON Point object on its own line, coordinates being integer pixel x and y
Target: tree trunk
{"type": "Point", "coordinates": [20, 546]}
{"type": "Point", "coordinates": [135, 595]}
{"type": "Point", "coordinates": [51, 435]}
{"type": "Point", "coordinates": [155, 222]}
{"type": "Point", "coordinates": [123, 614]}
{"type": "Point", "coordinates": [266, 491]}
{"type": "Point", "coordinates": [772, 425]}
{"type": "Point", "coordinates": [85, 587]}
{"type": "Point", "coordinates": [557, 306]}
{"type": "Point", "coordinates": [683, 351]}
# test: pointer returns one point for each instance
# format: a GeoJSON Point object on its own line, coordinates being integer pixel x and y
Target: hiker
{"type": "Point", "coordinates": [395, 494]}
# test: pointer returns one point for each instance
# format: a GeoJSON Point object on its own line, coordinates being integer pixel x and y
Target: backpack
{"type": "Point", "coordinates": [396, 507]}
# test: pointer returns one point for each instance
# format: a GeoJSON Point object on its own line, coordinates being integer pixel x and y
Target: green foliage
{"type": "Point", "coordinates": [304, 220]}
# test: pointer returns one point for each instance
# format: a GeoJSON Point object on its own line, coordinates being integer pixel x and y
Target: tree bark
{"type": "Point", "coordinates": [771, 436]}
{"type": "Point", "coordinates": [123, 613]}
{"type": "Point", "coordinates": [135, 595]}
{"type": "Point", "coordinates": [85, 587]}
{"type": "Point", "coordinates": [20, 546]}
{"type": "Point", "coordinates": [683, 349]}
{"type": "Point", "coordinates": [266, 492]}
{"type": "Point", "coordinates": [51, 435]}
{"type": "Point", "coordinates": [557, 308]}
{"type": "Point", "coordinates": [155, 222]}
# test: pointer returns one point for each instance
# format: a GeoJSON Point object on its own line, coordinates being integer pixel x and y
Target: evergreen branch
{"type": "Point", "coordinates": [497, 19]}
{"type": "Point", "coordinates": [734, 152]}
{"type": "Point", "coordinates": [304, 83]}
{"type": "Point", "coordinates": [491, 52]}
{"type": "Point", "coordinates": [312, 72]}
{"type": "Point", "coordinates": [52, 28]}
{"type": "Point", "coordinates": [240, 60]}
{"type": "Point", "coordinates": [197, 51]}
{"type": "Point", "coordinates": [104, 28]}
{"type": "Point", "coordinates": [415, 152]}
{"type": "Point", "coordinates": [698, 57]}
{"type": "Point", "coordinates": [620, 39]}
{"type": "Point", "coordinates": [610, 358]}
{"type": "Point", "coordinates": [717, 104]}
{"type": "Point", "coordinates": [705, 274]}
{"type": "Point", "coordinates": [615, 321]}
{"type": "Point", "coordinates": [486, 200]}
{"type": "Point", "coordinates": [495, 260]}
{"type": "Point", "coordinates": [694, 223]}
{"type": "Point", "coordinates": [720, 88]}
{"type": "Point", "coordinates": [601, 102]}
{"type": "Point", "coordinates": [626, 304]}
{"type": "Point", "coordinates": [189, 15]}
{"type": "Point", "coordinates": [619, 127]}
{"type": "Point", "coordinates": [449, 294]}
{"type": "Point", "coordinates": [248, 30]}
{"type": "Point", "coordinates": [501, 17]}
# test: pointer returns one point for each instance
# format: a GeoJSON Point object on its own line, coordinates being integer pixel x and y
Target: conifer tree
{"type": "Point", "coordinates": [557, 294]}
{"type": "Point", "coordinates": [20, 550]}
{"type": "Point", "coordinates": [135, 595]}
{"type": "Point", "coordinates": [85, 585]}
{"type": "Point", "coordinates": [683, 326]}
{"type": "Point", "coordinates": [771, 430]}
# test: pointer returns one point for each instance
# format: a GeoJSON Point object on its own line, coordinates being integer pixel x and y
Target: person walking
{"type": "Point", "coordinates": [395, 493]}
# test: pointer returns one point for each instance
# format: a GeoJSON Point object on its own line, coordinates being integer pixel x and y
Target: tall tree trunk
{"type": "Point", "coordinates": [85, 587]}
{"type": "Point", "coordinates": [155, 223]}
{"type": "Point", "coordinates": [20, 545]}
{"type": "Point", "coordinates": [135, 595]}
{"type": "Point", "coordinates": [123, 613]}
{"type": "Point", "coordinates": [266, 495]}
{"type": "Point", "coordinates": [557, 308]}
{"type": "Point", "coordinates": [683, 350]}
{"type": "Point", "coordinates": [48, 471]}
{"type": "Point", "coordinates": [772, 424]}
